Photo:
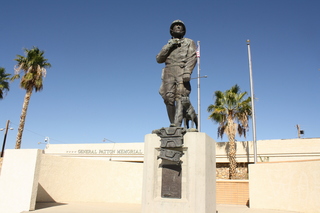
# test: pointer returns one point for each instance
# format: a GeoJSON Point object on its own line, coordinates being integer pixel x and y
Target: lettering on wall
{"type": "Point", "coordinates": [106, 152]}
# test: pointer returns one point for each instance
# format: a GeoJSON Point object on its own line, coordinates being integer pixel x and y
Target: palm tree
{"type": "Point", "coordinates": [232, 112]}
{"type": "Point", "coordinates": [4, 84]}
{"type": "Point", "coordinates": [33, 66]}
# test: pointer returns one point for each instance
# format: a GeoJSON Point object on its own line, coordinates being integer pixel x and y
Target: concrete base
{"type": "Point", "coordinates": [198, 176]}
{"type": "Point", "coordinates": [19, 180]}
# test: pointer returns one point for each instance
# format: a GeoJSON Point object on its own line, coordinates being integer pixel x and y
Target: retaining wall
{"type": "Point", "coordinates": [293, 186]}
{"type": "Point", "coordinates": [64, 179]}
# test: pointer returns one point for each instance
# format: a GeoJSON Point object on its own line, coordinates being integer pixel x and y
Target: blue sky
{"type": "Point", "coordinates": [104, 79]}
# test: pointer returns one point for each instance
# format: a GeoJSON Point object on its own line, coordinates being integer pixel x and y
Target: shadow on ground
{"type": "Point", "coordinates": [40, 205]}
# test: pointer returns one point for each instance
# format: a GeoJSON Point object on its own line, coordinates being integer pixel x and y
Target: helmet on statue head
{"type": "Point", "coordinates": [175, 22]}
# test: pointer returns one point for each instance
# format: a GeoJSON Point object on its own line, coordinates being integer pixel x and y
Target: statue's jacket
{"type": "Point", "coordinates": [184, 56]}
{"type": "Point", "coordinates": [179, 60]}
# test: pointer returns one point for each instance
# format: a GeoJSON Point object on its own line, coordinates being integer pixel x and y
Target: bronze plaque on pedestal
{"type": "Point", "coordinates": [171, 181]}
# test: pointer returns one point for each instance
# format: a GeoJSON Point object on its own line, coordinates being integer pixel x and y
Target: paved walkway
{"type": "Point", "coordinates": [130, 208]}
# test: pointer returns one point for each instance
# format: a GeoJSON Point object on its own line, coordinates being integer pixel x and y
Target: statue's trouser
{"type": "Point", "coordinates": [171, 90]}
{"type": "Point", "coordinates": [171, 110]}
{"type": "Point", "coordinates": [179, 113]}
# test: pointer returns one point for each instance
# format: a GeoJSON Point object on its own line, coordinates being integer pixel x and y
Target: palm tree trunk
{"type": "Point", "coordinates": [232, 149]}
{"type": "Point", "coordinates": [23, 117]}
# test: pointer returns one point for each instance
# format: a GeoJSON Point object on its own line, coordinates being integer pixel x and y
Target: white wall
{"type": "Point", "coordinates": [273, 150]}
{"type": "Point", "coordinates": [267, 150]}
{"type": "Point", "coordinates": [65, 179]}
{"type": "Point", "coordinates": [19, 180]}
{"type": "Point", "coordinates": [293, 186]}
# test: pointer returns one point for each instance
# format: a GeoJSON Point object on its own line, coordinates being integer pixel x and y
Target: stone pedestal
{"type": "Point", "coordinates": [19, 180]}
{"type": "Point", "coordinates": [198, 176]}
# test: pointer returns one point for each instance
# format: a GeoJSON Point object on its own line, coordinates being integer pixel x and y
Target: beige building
{"type": "Point", "coordinates": [267, 150]}
{"type": "Point", "coordinates": [129, 152]}
{"type": "Point", "coordinates": [286, 177]}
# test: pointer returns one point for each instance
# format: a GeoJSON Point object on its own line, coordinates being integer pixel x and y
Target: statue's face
{"type": "Point", "coordinates": [177, 31]}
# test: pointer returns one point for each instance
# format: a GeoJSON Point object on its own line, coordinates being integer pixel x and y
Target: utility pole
{"type": "Point", "coordinates": [199, 111]}
{"type": "Point", "coordinates": [5, 137]}
{"type": "Point", "coordinates": [252, 105]}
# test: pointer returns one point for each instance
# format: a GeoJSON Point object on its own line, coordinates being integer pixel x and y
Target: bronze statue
{"type": "Point", "coordinates": [179, 55]}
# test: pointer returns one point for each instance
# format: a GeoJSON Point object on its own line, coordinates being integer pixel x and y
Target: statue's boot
{"type": "Point", "coordinates": [171, 110]}
{"type": "Point", "coordinates": [179, 114]}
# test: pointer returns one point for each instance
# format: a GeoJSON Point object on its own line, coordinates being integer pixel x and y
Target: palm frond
{"type": "Point", "coordinates": [34, 65]}
{"type": "Point", "coordinates": [228, 106]}
{"type": "Point", "coordinates": [4, 82]}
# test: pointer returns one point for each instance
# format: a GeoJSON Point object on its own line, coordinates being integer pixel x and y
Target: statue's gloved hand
{"type": "Point", "coordinates": [175, 42]}
{"type": "Point", "coordinates": [186, 77]}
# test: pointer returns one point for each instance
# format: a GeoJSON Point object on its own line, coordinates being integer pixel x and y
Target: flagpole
{"type": "Point", "coordinates": [198, 62]}
{"type": "Point", "coordinates": [252, 105]}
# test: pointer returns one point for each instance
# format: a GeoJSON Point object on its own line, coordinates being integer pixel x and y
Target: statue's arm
{"type": "Point", "coordinates": [191, 58]}
{"type": "Point", "coordinates": [165, 51]}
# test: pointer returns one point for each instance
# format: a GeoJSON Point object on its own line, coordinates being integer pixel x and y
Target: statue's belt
{"type": "Point", "coordinates": [176, 65]}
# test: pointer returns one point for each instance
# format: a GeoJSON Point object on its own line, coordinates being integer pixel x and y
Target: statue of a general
{"type": "Point", "coordinates": [179, 56]}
